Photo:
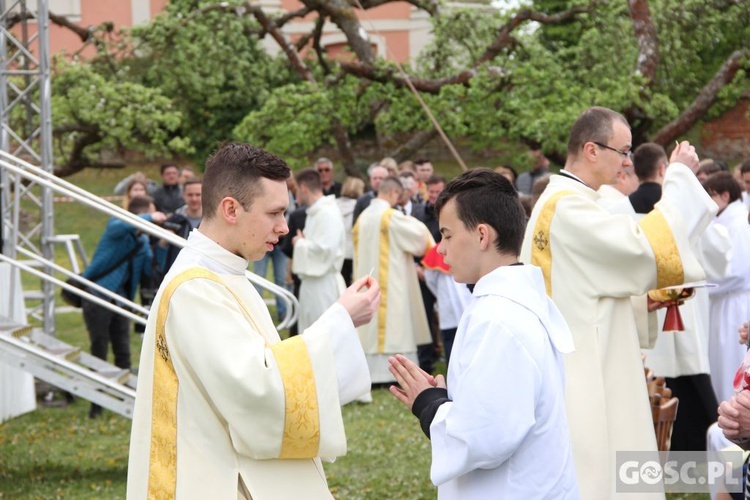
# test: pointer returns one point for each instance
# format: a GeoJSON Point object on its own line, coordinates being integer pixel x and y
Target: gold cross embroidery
{"type": "Point", "coordinates": [161, 345]}
{"type": "Point", "coordinates": [540, 240]}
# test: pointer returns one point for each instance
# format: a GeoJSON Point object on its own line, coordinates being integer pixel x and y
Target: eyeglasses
{"type": "Point", "coordinates": [324, 170]}
{"type": "Point", "coordinates": [626, 154]}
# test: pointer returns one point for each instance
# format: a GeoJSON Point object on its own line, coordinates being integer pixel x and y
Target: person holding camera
{"type": "Point", "coordinates": [121, 259]}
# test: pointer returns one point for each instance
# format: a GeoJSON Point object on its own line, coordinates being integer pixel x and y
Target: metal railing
{"type": "Point", "coordinates": [25, 170]}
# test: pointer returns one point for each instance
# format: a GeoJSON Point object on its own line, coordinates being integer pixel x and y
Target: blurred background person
{"type": "Point", "coordinates": [352, 189]}
{"type": "Point", "coordinates": [730, 301]}
{"type": "Point", "coordinates": [324, 167]}
{"type": "Point", "coordinates": [540, 168]}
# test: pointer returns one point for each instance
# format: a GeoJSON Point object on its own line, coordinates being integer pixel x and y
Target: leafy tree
{"type": "Point", "coordinates": [490, 76]}
{"type": "Point", "coordinates": [210, 63]}
{"type": "Point", "coordinates": [94, 116]}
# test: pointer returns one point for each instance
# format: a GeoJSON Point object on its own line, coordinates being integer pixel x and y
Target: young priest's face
{"type": "Point", "coordinates": [459, 246]}
{"type": "Point", "coordinates": [258, 229]}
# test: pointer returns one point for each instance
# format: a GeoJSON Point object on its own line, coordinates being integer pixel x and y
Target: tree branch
{"type": "Point", "coordinates": [648, 45]}
{"type": "Point", "coordinates": [502, 41]}
{"type": "Point", "coordinates": [316, 34]}
{"type": "Point", "coordinates": [343, 15]}
{"type": "Point", "coordinates": [410, 147]}
{"type": "Point", "coordinates": [293, 55]}
{"type": "Point", "coordinates": [706, 98]}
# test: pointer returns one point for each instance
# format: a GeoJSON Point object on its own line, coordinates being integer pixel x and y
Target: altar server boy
{"type": "Point", "coordinates": [498, 427]}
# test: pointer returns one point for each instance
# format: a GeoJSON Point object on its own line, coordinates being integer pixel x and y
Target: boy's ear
{"type": "Point", "coordinates": [484, 234]}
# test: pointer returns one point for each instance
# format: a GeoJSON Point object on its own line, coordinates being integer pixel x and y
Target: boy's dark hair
{"type": "Point", "coordinates": [309, 177]}
{"type": "Point", "coordinates": [140, 204]}
{"type": "Point", "coordinates": [235, 170]}
{"type": "Point", "coordinates": [483, 196]}
{"type": "Point", "coordinates": [745, 167]}
{"type": "Point", "coordinates": [194, 180]}
{"type": "Point", "coordinates": [723, 182]}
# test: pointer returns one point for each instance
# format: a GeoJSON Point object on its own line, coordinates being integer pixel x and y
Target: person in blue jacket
{"type": "Point", "coordinates": [121, 259]}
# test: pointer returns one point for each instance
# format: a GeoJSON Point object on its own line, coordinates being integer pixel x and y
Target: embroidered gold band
{"type": "Point", "coordinates": [541, 248]}
{"type": "Point", "coordinates": [162, 469]}
{"type": "Point", "coordinates": [383, 263]}
{"type": "Point", "coordinates": [162, 477]}
{"type": "Point", "coordinates": [302, 419]}
{"type": "Point", "coordinates": [669, 269]}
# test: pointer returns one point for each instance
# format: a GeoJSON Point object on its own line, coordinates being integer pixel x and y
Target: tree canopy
{"type": "Point", "coordinates": [199, 74]}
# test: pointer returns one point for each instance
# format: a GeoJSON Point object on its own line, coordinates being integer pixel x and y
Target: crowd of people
{"type": "Point", "coordinates": [533, 288]}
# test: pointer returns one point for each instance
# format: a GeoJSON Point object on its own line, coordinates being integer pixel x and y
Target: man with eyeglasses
{"type": "Point", "coordinates": [593, 262]}
{"type": "Point", "coordinates": [324, 166]}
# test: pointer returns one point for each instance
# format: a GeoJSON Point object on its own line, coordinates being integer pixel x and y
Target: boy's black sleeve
{"type": "Point", "coordinates": [426, 405]}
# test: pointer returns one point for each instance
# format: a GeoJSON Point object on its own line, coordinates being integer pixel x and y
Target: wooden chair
{"type": "Point", "coordinates": [664, 415]}
{"type": "Point", "coordinates": [663, 408]}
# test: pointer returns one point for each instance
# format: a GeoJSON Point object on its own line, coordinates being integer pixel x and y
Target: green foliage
{"type": "Point", "coordinates": [210, 64]}
{"type": "Point", "coordinates": [124, 115]}
{"type": "Point", "coordinates": [294, 120]}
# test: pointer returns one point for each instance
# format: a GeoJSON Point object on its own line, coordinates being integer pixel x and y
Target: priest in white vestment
{"type": "Point", "coordinates": [593, 262]}
{"type": "Point", "coordinates": [681, 357]}
{"type": "Point", "coordinates": [385, 243]}
{"type": "Point", "coordinates": [224, 408]}
{"type": "Point", "coordinates": [498, 427]}
{"type": "Point", "coordinates": [730, 301]}
{"type": "Point", "coordinates": [319, 251]}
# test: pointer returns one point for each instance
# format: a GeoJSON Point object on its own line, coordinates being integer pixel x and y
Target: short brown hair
{"type": "Point", "coordinates": [309, 177]}
{"type": "Point", "coordinates": [140, 204]}
{"type": "Point", "coordinates": [234, 170]}
{"type": "Point", "coordinates": [593, 125]}
{"type": "Point", "coordinates": [646, 159]}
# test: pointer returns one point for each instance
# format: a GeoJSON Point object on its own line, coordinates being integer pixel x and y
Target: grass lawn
{"type": "Point", "coordinates": [59, 453]}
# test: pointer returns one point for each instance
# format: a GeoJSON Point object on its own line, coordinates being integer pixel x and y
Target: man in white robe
{"type": "Point", "coordinates": [593, 262]}
{"type": "Point", "coordinates": [730, 301]}
{"type": "Point", "coordinates": [224, 408]}
{"type": "Point", "coordinates": [498, 428]}
{"type": "Point", "coordinates": [319, 251]}
{"type": "Point", "coordinates": [385, 243]}
{"type": "Point", "coordinates": [681, 357]}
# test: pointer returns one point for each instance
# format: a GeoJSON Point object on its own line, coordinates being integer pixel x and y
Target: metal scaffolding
{"type": "Point", "coordinates": [26, 207]}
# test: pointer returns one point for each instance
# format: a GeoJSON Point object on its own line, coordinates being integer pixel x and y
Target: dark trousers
{"type": "Point", "coordinates": [428, 353]}
{"type": "Point", "coordinates": [697, 411]}
{"type": "Point", "coordinates": [346, 271]}
{"type": "Point", "coordinates": [105, 326]}
{"type": "Point", "coordinates": [448, 336]}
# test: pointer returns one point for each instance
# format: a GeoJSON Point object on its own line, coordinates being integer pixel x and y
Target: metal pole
{"type": "Point", "coordinates": [45, 146]}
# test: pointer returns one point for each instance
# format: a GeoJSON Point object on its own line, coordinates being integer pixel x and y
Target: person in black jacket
{"type": "Point", "coordinates": [168, 197]}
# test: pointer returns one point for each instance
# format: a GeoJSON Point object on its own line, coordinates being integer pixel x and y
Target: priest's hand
{"type": "Point", "coordinates": [734, 416]}
{"type": "Point", "coordinates": [685, 153]}
{"type": "Point", "coordinates": [743, 333]}
{"type": "Point", "coordinates": [411, 379]}
{"type": "Point", "coordinates": [361, 300]}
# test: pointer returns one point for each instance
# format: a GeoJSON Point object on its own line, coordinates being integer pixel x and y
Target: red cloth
{"type": "Point", "coordinates": [434, 261]}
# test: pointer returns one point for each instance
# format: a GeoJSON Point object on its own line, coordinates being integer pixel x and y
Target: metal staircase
{"type": "Point", "coordinates": [67, 367]}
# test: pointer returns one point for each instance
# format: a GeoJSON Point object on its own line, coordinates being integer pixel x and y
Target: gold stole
{"type": "Point", "coordinates": [302, 420]}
